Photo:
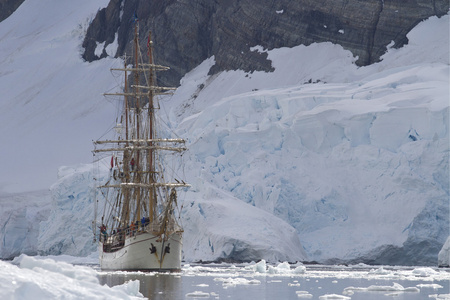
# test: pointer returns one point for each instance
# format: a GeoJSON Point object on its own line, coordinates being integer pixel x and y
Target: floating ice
{"type": "Point", "coordinates": [231, 282]}
{"type": "Point", "coordinates": [380, 271]}
{"type": "Point", "coordinates": [430, 285]}
{"type": "Point", "coordinates": [61, 268]}
{"type": "Point", "coordinates": [30, 278]}
{"type": "Point", "coordinates": [130, 287]}
{"type": "Point", "coordinates": [303, 294]}
{"type": "Point", "coordinates": [300, 269]}
{"type": "Point", "coordinates": [424, 272]}
{"type": "Point", "coordinates": [394, 287]}
{"type": "Point", "coordinates": [440, 296]}
{"type": "Point", "coordinates": [198, 294]}
{"type": "Point", "coordinates": [260, 267]}
{"type": "Point", "coordinates": [282, 268]}
{"type": "Point", "coordinates": [380, 288]}
{"type": "Point", "coordinates": [334, 296]}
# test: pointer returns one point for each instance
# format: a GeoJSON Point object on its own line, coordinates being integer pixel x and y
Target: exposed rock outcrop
{"type": "Point", "coordinates": [189, 31]}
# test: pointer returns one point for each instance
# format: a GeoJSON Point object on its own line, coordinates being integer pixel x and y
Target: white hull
{"type": "Point", "coordinates": [137, 254]}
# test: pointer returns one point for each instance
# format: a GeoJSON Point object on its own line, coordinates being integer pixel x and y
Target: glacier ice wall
{"type": "Point", "coordinates": [68, 230]}
{"type": "Point", "coordinates": [444, 254]}
{"type": "Point", "coordinates": [358, 181]}
{"type": "Point", "coordinates": [217, 226]}
{"type": "Point", "coordinates": [20, 218]}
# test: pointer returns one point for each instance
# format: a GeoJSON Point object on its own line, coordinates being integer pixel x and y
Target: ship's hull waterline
{"type": "Point", "coordinates": [145, 252]}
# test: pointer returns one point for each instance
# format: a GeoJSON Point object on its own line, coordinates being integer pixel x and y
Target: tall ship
{"type": "Point", "coordinates": [137, 217]}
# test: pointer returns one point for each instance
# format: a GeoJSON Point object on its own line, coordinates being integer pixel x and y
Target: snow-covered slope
{"type": "Point", "coordinates": [51, 104]}
{"type": "Point", "coordinates": [355, 162]}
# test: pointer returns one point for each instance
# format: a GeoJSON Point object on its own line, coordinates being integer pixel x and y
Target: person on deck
{"type": "Point", "coordinates": [132, 164]}
{"type": "Point", "coordinates": [103, 231]}
{"type": "Point", "coordinates": [132, 228]}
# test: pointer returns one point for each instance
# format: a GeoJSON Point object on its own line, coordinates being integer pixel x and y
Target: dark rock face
{"type": "Point", "coordinates": [7, 7]}
{"type": "Point", "coordinates": [187, 32]}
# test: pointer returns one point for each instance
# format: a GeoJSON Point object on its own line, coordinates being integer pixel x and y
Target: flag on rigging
{"type": "Point", "coordinates": [135, 18]}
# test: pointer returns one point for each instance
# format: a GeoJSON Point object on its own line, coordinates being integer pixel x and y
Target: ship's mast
{"type": "Point", "coordinates": [126, 100]}
{"type": "Point", "coordinates": [151, 174]}
{"type": "Point", "coordinates": [139, 189]}
{"type": "Point", "coordinates": [126, 154]}
{"type": "Point", "coordinates": [137, 170]}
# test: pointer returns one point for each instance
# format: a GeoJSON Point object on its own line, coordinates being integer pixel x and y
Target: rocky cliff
{"type": "Point", "coordinates": [189, 31]}
{"type": "Point", "coordinates": [7, 7]}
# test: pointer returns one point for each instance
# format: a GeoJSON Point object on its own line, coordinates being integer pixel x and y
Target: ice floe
{"type": "Point", "coordinates": [32, 278]}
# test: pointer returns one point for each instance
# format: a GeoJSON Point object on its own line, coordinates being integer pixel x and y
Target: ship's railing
{"type": "Point", "coordinates": [112, 242]}
{"type": "Point", "coordinates": [155, 227]}
{"type": "Point", "coordinates": [117, 239]}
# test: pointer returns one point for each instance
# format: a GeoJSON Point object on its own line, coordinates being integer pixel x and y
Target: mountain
{"type": "Point", "coordinates": [189, 31]}
{"type": "Point", "coordinates": [319, 159]}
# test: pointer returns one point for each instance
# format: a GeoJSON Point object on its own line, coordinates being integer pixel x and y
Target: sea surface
{"type": "Point", "coordinates": [261, 281]}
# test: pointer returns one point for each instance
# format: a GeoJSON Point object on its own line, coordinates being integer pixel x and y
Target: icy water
{"type": "Point", "coordinates": [258, 281]}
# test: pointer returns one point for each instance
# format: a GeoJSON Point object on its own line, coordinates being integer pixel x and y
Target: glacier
{"type": "Point", "coordinates": [357, 163]}
{"type": "Point", "coordinates": [20, 218]}
{"type": "Point", "coordinates": [319, 160]}
{"type": "Point", "coordinates": [214, 227]}
{"type": "Point", "coordinates": [444, 254]}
